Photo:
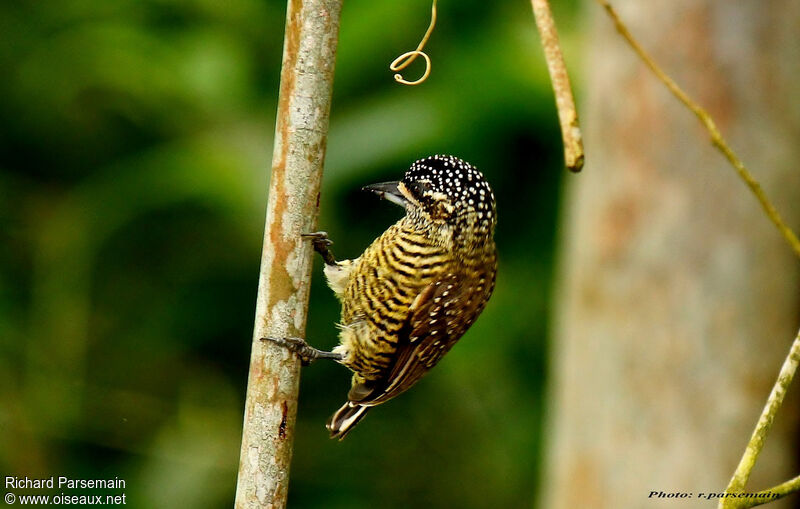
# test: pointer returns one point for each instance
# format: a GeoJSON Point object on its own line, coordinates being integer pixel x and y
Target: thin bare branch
{"type": "Point", "coordinates": [781, 490]}
{"type": "Point", "coordinates": [565, 103]}
{"type": "Point", "coordinates": [762, 497]}
{"type": "Point", "coordinates": [310, 41]}
{"type": "Point", "coordinates": [759, 436]}
{"type": "Point", "coordinates": [716, 138]}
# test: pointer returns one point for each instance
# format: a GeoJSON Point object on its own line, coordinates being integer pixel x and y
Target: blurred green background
{"type": "Point", "coordinates": [135, 146]}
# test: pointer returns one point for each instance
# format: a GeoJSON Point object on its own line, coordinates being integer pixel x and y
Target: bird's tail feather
{"type": "Point", "coordinates": [344, 419]}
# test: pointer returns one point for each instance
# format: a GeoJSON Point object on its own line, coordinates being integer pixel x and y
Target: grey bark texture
{"type": "Point", "coordinates": [677, 300]}
{"type": "Point", "coordinates": [312, 28]}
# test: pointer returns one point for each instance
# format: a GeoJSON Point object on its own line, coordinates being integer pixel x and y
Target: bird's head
{"type": "Point", "coordinates": [446, 194]}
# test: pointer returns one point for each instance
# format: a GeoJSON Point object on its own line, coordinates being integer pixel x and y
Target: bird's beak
{"type": "Point", "coordinates": [388, 191]}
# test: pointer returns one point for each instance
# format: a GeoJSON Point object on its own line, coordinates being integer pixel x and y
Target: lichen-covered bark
{"type": "Point", "coordinates": [679, 298]}
{"type": "Point", "coordinates": [312, 28]}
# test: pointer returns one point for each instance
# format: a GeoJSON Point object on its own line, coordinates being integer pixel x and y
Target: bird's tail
{"type": "Point", "coordinates": [344, 419]}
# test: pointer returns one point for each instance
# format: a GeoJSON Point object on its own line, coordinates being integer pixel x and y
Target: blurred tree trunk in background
{"type": "Point", "coordinates": [678, 298]}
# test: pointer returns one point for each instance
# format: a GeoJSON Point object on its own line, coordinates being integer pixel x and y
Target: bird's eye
{"type": "Point", "coordinates": [420, 187]}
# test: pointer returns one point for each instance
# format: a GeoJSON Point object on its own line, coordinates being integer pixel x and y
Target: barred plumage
{"type": "Point", "coordinates": [415, 291]}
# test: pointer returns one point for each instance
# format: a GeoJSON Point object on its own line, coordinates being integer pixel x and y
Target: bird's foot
{"type": "Point", "coordinates": [322, 245]}
{"type": "Point", "coordinates": [306, 352]}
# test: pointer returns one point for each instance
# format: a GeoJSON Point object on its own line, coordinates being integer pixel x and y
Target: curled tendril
{"type": "Point", "coordinates": [404, 60]}
{"type": "Point", "coordinates": [410, 56]}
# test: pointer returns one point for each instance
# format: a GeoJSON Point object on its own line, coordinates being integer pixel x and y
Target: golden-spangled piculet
{"type": "Point", "coordinates": [415, 291]}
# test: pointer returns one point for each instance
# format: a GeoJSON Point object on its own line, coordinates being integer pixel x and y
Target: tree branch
{"type": "Point", "coordinates": [716, 138]}
{"type": "Point", "coordinates": [759, 436]}
{"type": "Point", "coordinates": [781, 490]}
{"type": "Point", "coordinates": [769, 495]}
{"type": "Point", "coordinates": [312, 28]}
{"type": "Point", "coordinates": [567, 113]}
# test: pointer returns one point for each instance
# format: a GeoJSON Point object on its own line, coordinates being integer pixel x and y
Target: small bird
{"type": "Point", "coordinates": [416, 290]}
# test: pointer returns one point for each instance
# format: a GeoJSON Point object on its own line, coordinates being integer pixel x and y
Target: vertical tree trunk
{"type": "Point", "coordinates": [312, 28]}
{"type": "Point", "coordinates": [678, 298]}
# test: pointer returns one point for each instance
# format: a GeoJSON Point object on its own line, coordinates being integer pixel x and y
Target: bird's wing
{"type": "Point", "coordinates": [438, 317]}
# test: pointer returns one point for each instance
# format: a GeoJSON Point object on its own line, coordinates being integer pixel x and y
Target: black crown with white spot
{"type": "Point", "coordinates": [457, 182]}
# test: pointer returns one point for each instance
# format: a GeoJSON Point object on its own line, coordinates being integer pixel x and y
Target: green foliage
{"type": "Point", "coordinates": [135, 140]}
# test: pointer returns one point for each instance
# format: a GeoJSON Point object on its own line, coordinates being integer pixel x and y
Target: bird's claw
{"type": "Point", "coordinates": [306, 352]}
{"type": "Point", "coordinates": [318, 238]}
{"type": "Point", "coordinates": [321, 244]}
{"type": "Point", "coordinates": [297, 345]}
